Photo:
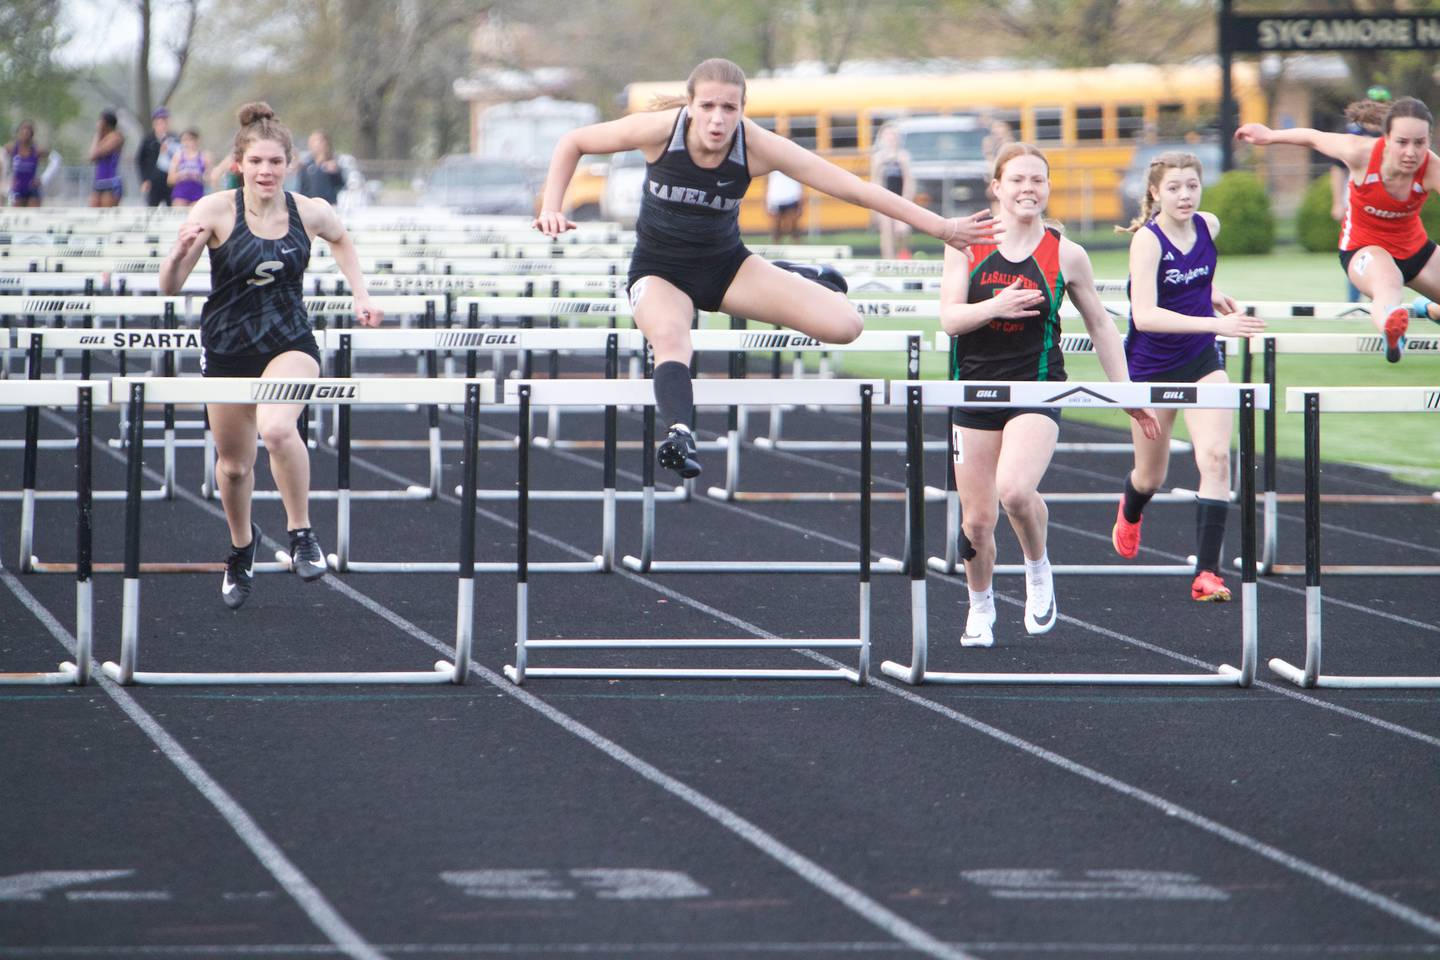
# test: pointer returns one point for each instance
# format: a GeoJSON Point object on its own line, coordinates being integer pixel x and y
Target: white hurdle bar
{"type": "Point", "coordinates": [471, 394]}
{"type": "Point", "coordinates": [1313, 344]}
{"type": "Point", "coordinates": [1313, 401]}
{"type": "Point", "coordinates": [916, 395]}
{"type": "Point", "coordinates": [711, 393]}
{"type": "Point", "coordinates": [641, 392]}
{"type": "Point", "coordinates": [83, 396]}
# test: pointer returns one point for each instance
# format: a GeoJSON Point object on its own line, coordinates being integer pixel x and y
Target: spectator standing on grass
{"type": "Point", "coordinates": [890, 168]}
{"type": "Point", "coordinates": [1340, 175]}
{"type": "Point", "coordinates": [153, 159]}
{"type": "Point", "coordinates": [784, 201]}
{"type": "Point", "coordinates": [320, 175]}
{"type": "Point", "coordinates": [105, 147]}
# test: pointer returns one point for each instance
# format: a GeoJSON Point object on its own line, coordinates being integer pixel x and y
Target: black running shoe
{"type": "Point", "coordinates": [240, 572]}
{"type": "Point", "coordinates": [823, 274]}
{"type": "Point", "coordinates": [677, 452]}
{"type": "Point", "coordinates": [305, 556]}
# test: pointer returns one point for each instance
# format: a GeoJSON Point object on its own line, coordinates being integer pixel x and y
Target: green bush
{"type": "Point", "coordinates": [1247, 225]}
{"type": "Point", "coordinates": [1314, 228]}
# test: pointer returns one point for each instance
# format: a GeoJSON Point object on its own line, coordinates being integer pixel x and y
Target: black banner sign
{"type": "Point", "coordinates": [1297, 32]}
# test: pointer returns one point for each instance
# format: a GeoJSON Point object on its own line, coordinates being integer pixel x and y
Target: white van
{"type": "Point", "coordinates": [950, 170]}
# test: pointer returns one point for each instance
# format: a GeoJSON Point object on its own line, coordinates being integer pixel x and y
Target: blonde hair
{"type": "Point", "coordinates": [714, 70]}
{"type": "Point", "coordinates": [1170, 160]}
{"type": "Point", "coordinates": [257, 122]}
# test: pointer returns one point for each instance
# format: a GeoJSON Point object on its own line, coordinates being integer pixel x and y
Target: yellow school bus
{"type": "Point", "coordinates": [1087, 121]}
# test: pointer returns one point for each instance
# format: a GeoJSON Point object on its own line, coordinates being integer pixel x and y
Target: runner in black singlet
{"type": "Point", "coordinates": [1000, 303]}
{"type": "Point", "coordinates": [254, 325]}
{"type": "Point", "coordinates": [701, 156]}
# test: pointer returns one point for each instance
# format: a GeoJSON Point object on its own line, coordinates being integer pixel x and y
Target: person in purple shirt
{"type": "Point", "coordinates": [23, 158]}
{"type": "Point", "coordinates": [105, 149]}
{"type": "Point", "coordinates": [1175, 314]}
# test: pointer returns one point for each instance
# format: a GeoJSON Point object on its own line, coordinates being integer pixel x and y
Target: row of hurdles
{"type": "Point", "coordinates": [521, 395]}
{"type": "Point", "coordinates": [430, 343]}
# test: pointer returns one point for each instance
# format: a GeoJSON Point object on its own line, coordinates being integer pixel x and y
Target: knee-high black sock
{"type": "Point", "coordinates": [1134, 501]}
{"type": "Point", "coordinates": [1209, 533]}
{"type": "Point", "coordinates": [674, 396]}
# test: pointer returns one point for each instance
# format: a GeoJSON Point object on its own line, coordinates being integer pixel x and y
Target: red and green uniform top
{"type": "Point", "coordinates": [1027, 348]}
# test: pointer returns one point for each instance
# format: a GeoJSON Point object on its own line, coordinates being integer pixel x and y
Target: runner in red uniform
{"type": "Point", "coordinates": [1383, 247]}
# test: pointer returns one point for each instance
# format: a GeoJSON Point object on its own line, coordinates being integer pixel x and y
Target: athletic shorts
{"type": "Point", "coordinates": [252, 365]}
{"type": "Point", "coordinates": [113, 185]}
{"type": "Point", "coordinates": [1202, 366]}
{"type": "Point", "coordinates": [31, 192]}
{"type": "Point", "coordinates": [1410, 266]}
{"type": "Point", "coordinates": [703, 279]}
{"type": "Point", "coordinates": [995, 418]}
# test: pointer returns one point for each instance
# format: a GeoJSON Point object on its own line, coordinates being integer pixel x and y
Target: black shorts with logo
{"type": "Point", "coordinates": [252, 365]}
{"type": "Point", "coordinates": [1410, 267]}
{"type": "Point", "coordinates": [703, 279]}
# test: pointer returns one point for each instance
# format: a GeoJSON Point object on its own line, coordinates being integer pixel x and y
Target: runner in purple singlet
{"type": "Point", "coordinates": [1175, 315]}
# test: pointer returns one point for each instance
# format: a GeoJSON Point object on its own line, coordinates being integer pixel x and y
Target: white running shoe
{"type": "Point", "coordinates": [979, 628]}
{"type": "Point", "coordinates": [1041, 610]}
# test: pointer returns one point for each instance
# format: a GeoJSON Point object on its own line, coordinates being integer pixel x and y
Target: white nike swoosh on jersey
{"type": "Point", "coordinates": [284, 250]}
{"type": "Point", "coordinates": [723, 183]}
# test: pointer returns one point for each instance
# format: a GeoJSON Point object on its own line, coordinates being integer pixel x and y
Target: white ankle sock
{"type": "Point", "coordinates": [985, 599]}
{"type": "Point", "coordinates": [1034, 569]}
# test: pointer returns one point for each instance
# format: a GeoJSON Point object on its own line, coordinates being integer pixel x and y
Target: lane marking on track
{"type": "Point", "coordinates": [1327, 878]}
{"type": "Point", "coordinates": [305, 894]}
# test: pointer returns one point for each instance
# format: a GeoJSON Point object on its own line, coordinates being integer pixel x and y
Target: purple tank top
{"type": "Point", "coordinates": [107, 172]}
{"type": "Point", "coordinates": [1183, 284]}
{"type": "Point", "coordinates": [22, 169]}
{"type": "Point", "coordinates": [190, 185]}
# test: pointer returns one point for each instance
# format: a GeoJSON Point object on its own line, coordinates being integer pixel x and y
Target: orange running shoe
{"type": "Point", "coordinates": [1395, 326]}
{"type": "Point", "coordinates": [1209, 588]}
{"type": "Point", "coordinates": [1126, 535]}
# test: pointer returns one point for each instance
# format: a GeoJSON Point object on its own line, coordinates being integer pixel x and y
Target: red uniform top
{"type": "Point", "coordinates": [1375, 218]}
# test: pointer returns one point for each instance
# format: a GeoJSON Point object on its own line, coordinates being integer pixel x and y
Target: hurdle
{"type": "Point", "coordinates": [1317, 344]}
{"type": "Point", "coordinates": [732, 393]}
{"type": "Point", "coordinates": [1313, 401]}
{"type": "Point", "coordinates": [139, 390]}
{"type": "Point", "coordinates": [906, 343]}
{"type": "Point", "coordinates": [526, 310]}
{"type": "Point", "coordinates": [83, 396]}
{"type": "Point", "coordinates": [345, 343]}
{"type": "Point", "coordinates": [641, 392]}
{"type": "Point", "coordinates": [915, 395]}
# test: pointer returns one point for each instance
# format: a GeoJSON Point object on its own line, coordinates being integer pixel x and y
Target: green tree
{"type": "Point", "coordinates": [34, 84]}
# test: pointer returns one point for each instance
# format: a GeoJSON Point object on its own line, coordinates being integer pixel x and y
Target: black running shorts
{"type": "Point", "coordinates": [703, 279]}
{"type": "Point", "coordinates": [253, 364]}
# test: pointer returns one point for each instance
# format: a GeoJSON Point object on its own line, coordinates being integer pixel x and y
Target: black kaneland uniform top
{"type": "Point", "coordinates": [687, 210]}
{"type": "Point", "coordinates": [256, 303]}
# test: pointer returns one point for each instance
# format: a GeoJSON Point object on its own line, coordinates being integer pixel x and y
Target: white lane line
{"type": "Point", "coordinates": [1285, 690]}
{"type": "Point", "coordinates": [728, 948]}
{"type": "Point", "coordinates": [827, 882]}
{"type": "Point", "coordinates": [305, 894]}
{"type": "Point", "coordinates": [1309, 870]}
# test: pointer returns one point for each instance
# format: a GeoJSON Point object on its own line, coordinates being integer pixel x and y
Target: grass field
{"type": "Point", "coordinates": [1405, 445]}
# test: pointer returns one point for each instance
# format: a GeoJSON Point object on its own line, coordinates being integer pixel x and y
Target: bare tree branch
{"type": "Point", "coordinates": [180, 49]}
